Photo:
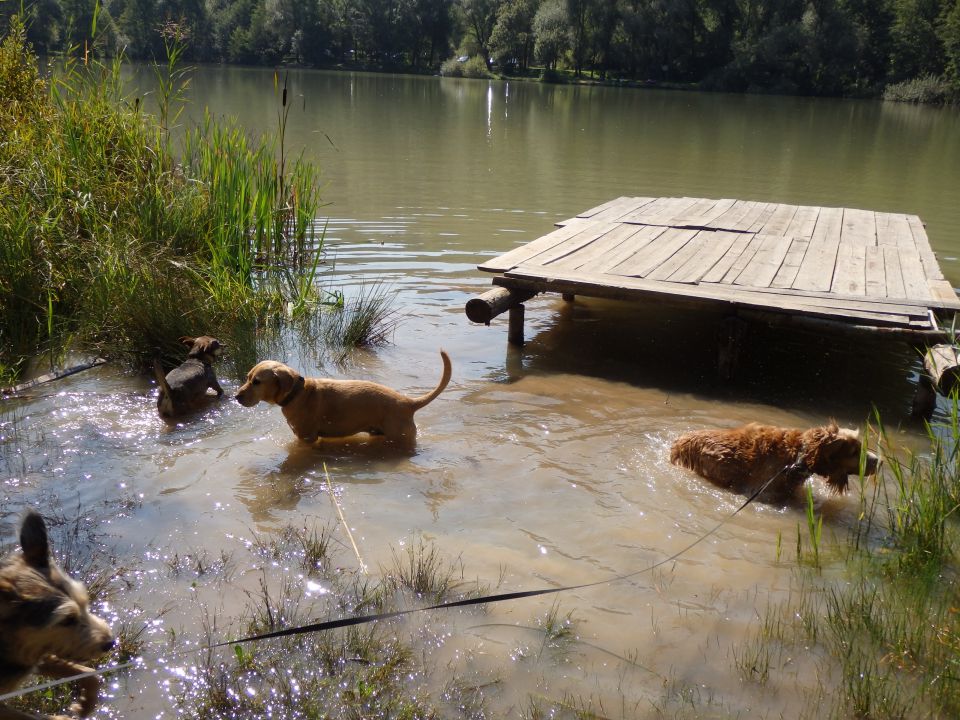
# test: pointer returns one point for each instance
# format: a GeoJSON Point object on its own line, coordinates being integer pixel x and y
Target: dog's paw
{"type": "Point", "coordinates": [89, 694]}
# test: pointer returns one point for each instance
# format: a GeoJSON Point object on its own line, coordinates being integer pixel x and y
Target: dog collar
{"type": "Point", "coordinates": [294, 391]}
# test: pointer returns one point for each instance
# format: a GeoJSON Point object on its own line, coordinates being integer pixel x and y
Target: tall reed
{"type": "Point", "coordinates": [113, 243]}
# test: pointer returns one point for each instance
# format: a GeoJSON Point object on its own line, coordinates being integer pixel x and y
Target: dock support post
{"type": "Point", "coordinates": [924, 399]}
{"type": "Point", "coordinates": [515, 331]}
{"type": "Point", "coordinates": [729, 341]}
{"type": "Point", "coordinates": [568, 297]}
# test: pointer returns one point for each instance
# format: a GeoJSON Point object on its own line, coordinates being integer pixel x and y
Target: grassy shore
{"type": "Point", "coordinates": [114, 242]}
{"type": "Point", "coordinates": [878, 615]}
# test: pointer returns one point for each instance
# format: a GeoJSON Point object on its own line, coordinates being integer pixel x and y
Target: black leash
{"type": "Point", "coordinates": [499, 597]}
{"type": "Point", "coordinates": [364, 619]}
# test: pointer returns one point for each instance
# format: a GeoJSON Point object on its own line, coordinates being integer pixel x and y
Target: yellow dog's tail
{"type": "Point", "coordinates": [419, 402]}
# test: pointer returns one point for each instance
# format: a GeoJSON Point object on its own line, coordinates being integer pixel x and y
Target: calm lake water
{"type": "Point", "coordinates": [541, 467]}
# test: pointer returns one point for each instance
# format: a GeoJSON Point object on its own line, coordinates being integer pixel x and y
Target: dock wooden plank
{"type": "Point", "coordinates": [893, 230]}
{"type": "Point", "coordinates": [703, 219]}
{"type": "Point", "coordinates": [689, 251]}
{"type": "Point", "coordinates": [665, 213]}
{"type": "Point", "coordinates": [605, 206]}
{"type": "Point", "coordinates": [620, 236]}
{"type": "Point", "coordinates": [654, 254]}
{"type": "Point", "coordinates": [943, 291]}
{"type": "Point", "coordinates": [816, 269]}
{"type": "Point", "coordinates": [876, 272]}
{"type": "Point", "coordinates": [756, 218]}
{"type": "Point", "coordinates": [690, 216]}
{"type": "Point", "coordinates": [850, 275]}
{"type": "Point", "coordinates": [804, 221]}
{"type": "Point", "coordinates": [791, 263]}
{"type": "Point", "coordinates": [892, 272]}
{"type": "Point", "coordinates": [901, 306]}
{"type": "Point", "coordinates": [920, 239]}
{"type": "Point", "coordinates": [859, 227]}
{"type": "Point", "coordinates": [525, 252]}
{"type": "Point", "coordinates": [717, 244]}
{"type": "Point", "coordinates": [779, 220]}
{"type": "Point", "coordinates": [650, 210]}
{"type": "Point", "coordinates": [914, 278]}
{"type": "Point", "coordinates": [745, 258]}
{"type": "Point", "coordinates": [731, 217]}
{"type": "Point", "coordinates": [763, 266]}
{"type": "Point", "coordinates": [645, 235]}
{"type": "Point", "coordinates": [616, 212]}
{"type": "Point", "coordinates": [586, 237]}
{"type": "Point", "coordinates": [723, 265]}
{"type": "Point", "coordinates": [634, 288]}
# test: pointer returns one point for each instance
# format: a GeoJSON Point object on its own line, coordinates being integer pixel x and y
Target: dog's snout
{"type": "Point", "coordinates": [108, 644]}
{"type": "Point", "coordinates": [873, 462]}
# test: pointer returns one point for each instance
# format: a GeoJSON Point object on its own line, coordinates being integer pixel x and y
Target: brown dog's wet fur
{"type": "Point", "coordinates": [46, 627]}
{"type": "Point", "coordinates": [745, 458]}
{"type": "Point", "coordinates": [184, 389]}
{"type": "Point", "coordinates": [324, 408]}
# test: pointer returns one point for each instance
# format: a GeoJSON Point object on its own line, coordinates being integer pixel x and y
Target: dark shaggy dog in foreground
{"type": "Point", "coordinates": [745, 458]}
{"type": "Point", "coordinates": [45, 622]}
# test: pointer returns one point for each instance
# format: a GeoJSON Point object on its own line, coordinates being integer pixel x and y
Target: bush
{"type": "Point", "coordinates": [476, 67]}
{"type": "Point", "coordinates": [927, 89]}
{"type": "Point", "coordinates": [451, 67]}
{"type": "Point", "coordinates": [551, 76]}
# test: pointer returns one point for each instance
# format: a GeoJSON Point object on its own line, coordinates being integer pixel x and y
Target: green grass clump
{"type": "Point", "coordinates": [364, 671]}
{"type": "Point", "coordinates": [928, 89]}
{"type": "Point", "coordinates": [114, 244]}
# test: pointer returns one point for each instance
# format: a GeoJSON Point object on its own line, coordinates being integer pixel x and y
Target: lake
{"type": "Point", "coordinates": [541, 467]}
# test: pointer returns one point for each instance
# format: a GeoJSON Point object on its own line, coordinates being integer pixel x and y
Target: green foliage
{"type": "Point", "coordinates": [109, 246]}
{"type": "Point", "coordinates": [948, 31]}
{"type": "Point", "coordinates": [511, 42]}
{"type": "Point", "coordinates": [552, 29]}
{"type": "Point", "coordinates": [927, 89]}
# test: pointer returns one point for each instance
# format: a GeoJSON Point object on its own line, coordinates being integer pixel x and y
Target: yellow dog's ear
{"type": "Point", "coordinates": [285, 378]}
{"type": "Point", "coordinates": [187, 340]}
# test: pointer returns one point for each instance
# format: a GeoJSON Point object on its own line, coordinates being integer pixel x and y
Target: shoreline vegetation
{"type": "Point", "coordinates": [903, 50]}
{"type": "Point", "coordinates": [116, 243]}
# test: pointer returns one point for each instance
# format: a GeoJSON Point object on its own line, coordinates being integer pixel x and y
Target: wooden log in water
{"type": "Point", "coordinates": [942, 363]}
{"type": "Point", "coordinates": [484, 308]}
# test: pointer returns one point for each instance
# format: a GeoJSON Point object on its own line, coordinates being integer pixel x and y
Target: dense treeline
{"type": "Point", "coordinates": [826, 47]}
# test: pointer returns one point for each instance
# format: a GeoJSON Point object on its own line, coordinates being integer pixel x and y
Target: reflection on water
{"type": "Point", "coordinates": [541, 467]}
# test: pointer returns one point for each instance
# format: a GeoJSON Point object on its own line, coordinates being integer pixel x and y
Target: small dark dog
{"type": "Point", "coordinates": [184, 389]}
{"type": "Point", "coordinates": [745, 458]}
{"type": "Point", "coordinates": [45, 623]}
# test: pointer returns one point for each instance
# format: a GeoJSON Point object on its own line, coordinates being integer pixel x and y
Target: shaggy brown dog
{"type": "Point", "coordinates": [323, 408]}
{"type": "Point", "coordinates": [184, 389]}
{"type": "Point", "coordinates": [45, 623]}
{"type": "Point", "coordinates": [745, 458]}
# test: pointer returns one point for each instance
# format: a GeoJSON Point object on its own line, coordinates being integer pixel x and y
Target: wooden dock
{"type": "Point", "coordinates": [861, 268]}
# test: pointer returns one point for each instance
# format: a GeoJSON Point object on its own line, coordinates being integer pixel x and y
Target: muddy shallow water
{"type": "Point", "coordinates": [536, 468]}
